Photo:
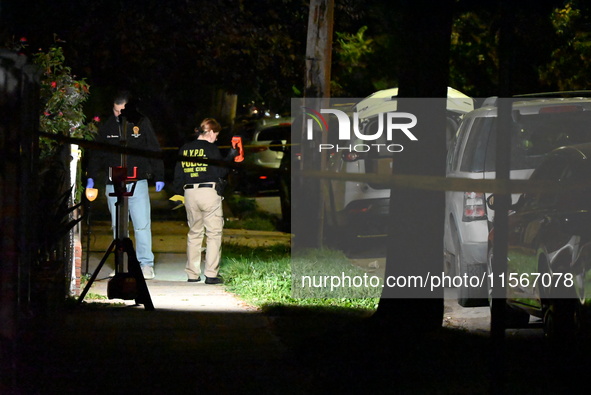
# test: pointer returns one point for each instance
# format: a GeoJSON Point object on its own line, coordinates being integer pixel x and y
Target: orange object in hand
{"type": "Point", "coordinates": [237, 144]}
{"type": "Point", "coordinates": [91, 194]}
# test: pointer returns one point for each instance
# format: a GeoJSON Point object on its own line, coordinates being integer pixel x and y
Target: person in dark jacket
{"type": "Point", "coordinates": [200, 183]}
{"type": "Point", "coordinates": [129, 127]}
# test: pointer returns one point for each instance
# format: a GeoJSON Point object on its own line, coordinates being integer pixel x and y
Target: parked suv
{"type": "Point", "coordinates": [359, 210]}
{"type": "Point", "coordinates": [539, 125]}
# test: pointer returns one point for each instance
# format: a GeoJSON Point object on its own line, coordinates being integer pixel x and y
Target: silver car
{"type": "Point", "coordinates": [271, 134]}
{"type": "Point", "coordinates": [262, 160]}
{"type": "Point", "coordinates": [360, 210]}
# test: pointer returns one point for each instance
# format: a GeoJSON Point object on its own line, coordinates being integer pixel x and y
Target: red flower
{"type": "Point", "coordinates": [53, 84]}
{"type": "Point", "coordinates": [96, 119]}
{"type": "Point", "coordinates": [23, 40]}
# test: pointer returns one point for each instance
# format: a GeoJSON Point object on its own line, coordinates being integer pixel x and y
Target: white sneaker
{"type": "Point", "coordinates": [148, 272]}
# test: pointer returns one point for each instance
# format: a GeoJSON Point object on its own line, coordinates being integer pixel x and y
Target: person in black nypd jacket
{"type": "Point", "coordinates": [129, 127]}
{"type": "Point", "coordinates": [201, 184]}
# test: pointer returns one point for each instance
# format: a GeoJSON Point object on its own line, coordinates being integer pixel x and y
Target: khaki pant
{"type": "Point", "coordinates": [205, 217]}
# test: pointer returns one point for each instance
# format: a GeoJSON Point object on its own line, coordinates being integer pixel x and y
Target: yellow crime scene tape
{"type": "Point", "coordinates": [397, 181]}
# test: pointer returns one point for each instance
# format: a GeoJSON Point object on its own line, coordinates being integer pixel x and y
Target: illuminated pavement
{"type": "Point", "coordinates": [170, 289]}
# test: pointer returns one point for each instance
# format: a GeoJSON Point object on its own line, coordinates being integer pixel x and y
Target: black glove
{"type": "Point", "coordinates": [220, 186]}
{"type": "Point", "coordinates": [232, 153]}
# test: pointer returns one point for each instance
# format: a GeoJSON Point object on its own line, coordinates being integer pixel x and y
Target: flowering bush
{"type": "Point", "coordinates": [62, 99]}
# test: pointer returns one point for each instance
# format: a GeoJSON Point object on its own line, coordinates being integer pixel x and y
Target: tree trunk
{"type": "Point", "coordinates": [415, 242]}
{"type": "Point", "coordinates": [507, 60]}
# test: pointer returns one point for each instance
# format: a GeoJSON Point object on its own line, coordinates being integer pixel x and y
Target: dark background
{"type": "Point", "coordinates": [178, 55]}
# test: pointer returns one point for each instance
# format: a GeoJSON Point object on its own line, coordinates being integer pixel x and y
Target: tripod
{"type": "Point", "coordinates": [128, 282]}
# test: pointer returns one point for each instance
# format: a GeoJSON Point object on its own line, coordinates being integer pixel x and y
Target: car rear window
{"type": "Point", "coordinates": [532, 138]}
{"type": "Point", "coordinates": [475, 150]}
{"type": "Point", "coordinates": [275, 133]}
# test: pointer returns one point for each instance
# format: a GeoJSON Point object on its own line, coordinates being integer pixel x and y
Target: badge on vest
{"type": "Point", "coordinates": [136, 132]}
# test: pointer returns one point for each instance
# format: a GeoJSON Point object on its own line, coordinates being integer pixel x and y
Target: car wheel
{"type": "Point", "coordinates": [337, 237]}
{"type": "Point", "coordinates": [582, 323]}
{"type": "Point", "coordinates": [559, 320]}
{"type": "Point", "coordinates": [330, 235]}
{"type": "Point", "coordinates": [285, 202]}
{"type": "Point", "coordinates": [472, 296]}
{"type": "Point", "coordinates": [469, 296]}
{"type": "Point", "coordinates": [514, 317]}
{"type": "Point", "coordinates": [558, 304]}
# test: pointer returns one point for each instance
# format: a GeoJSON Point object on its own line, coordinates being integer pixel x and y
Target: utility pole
{"type": "Point", "coordinates": [319, 49]}
{"type": "Point", "coordinates": [307, 228]}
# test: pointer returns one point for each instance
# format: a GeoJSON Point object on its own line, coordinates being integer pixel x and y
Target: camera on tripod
{"type": "Point", "coordinates": [128, 283]}
{"type": "Point", "coordinates": [123, 284]}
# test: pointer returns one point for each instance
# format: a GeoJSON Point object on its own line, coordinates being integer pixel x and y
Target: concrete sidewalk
{"type": "Point", "coordinates": [169, 289]}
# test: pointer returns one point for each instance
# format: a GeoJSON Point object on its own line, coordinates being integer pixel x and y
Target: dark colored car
{"type": "Point", "coordinates": [549, 247]}
{"type": "Point", "coordinates": [291, 156]}
{"type": "Point", "coordinates": [263, 144]}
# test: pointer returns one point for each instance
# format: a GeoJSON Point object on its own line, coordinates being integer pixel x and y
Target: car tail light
{"type": "Point", "coordinates": [474, 206]}
{"type": "Point", "coordinates": [351, 156]}
{"type": "Point", "coordinates": [359, 207]}
{"type": "Point", "coordinates": [258, 148]}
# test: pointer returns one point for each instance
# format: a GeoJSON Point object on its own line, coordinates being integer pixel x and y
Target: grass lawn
{"type": "Point", "coordinates": [266, 277]}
